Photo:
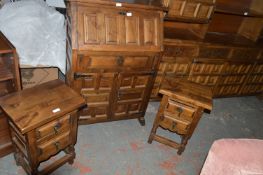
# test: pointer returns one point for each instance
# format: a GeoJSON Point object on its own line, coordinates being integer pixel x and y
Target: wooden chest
{"type": "Point", "coordinates": [9, 82]}
{"type": "Point", "coordinates": [112, 57]}
{"type": "Point", "coordinates": [43, 122]}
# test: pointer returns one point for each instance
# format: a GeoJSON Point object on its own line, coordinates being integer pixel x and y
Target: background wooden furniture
{"type": "Point", "coordinates": [225, 53]}
{"type": "Point", "coordinates": [180, 110]}
{"type": "Point", "coordinates": [9, 82]}
{"type": "Point", "coordinates": [43, 122]}
{"type": "Point", "coordinates": [112, 57]}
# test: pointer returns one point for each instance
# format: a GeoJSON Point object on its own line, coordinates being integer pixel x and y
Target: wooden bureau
{"type": "Point", "coordinates": [43, 122]}
{"type": "Point", "coordinates": [9, 82]}
{"type": "Point", "coordinates": [113, 51]}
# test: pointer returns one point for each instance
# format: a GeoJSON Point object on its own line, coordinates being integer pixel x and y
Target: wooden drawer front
{"type": "Point", "coordinates": [118, 29]}
{"type": "Point", "coordinates": [179, 110]}
{"type": "Point", "coordinates": [180, 51]}
{"type": "Point", "coordinates": [47, 149]}
{"type": "Point", "coordinates": [237, 68]}
{"type": "Point", "coordinates": [227, 90]}
{"type": "Point", "coordinates": [213, 52]}
{"type": "Point", "coordinates": [233, 79]}
{"type": "Point", "coordinates": [206, 68]}
{"type": "Point", "coordinates": [252, 89]}
{"type": "Point", "coordinates": [174, 124]}
{"type": "Point", "coordinates": [258, 68]}
{"type": "Point", "coordinates": [244, 54]}
{"type": "Point", "coordinates": [255, 79]}
{"type": "Point", "coordinates": [85, 63]}
{"type": "Point", "coordinates": [190, 9]}
{"type": "Point", "coordinates": [174, 66]}
{"type": "Point", "coordinates": [208, 80]}
{"type": "Point", "coordinates": [53, 129]}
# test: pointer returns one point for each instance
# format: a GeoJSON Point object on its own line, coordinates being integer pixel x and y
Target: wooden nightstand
{"type": "Point", "coordinates": [43, 122]}
{"type": "Point", "coordinates": [180, 110]}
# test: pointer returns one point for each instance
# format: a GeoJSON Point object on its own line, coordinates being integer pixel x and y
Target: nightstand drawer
{"type": "Point", "coordinates": [53, 128]}
{"type": "Point", "coordinates": [53, 146]}
{"type": "Point", "coordinates": [174, 124]}
{"type": "Point", "coordinates": [179, 110]}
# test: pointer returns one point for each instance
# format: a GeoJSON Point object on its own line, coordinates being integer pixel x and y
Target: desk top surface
{"type": "Point", "coordinates": [189, 92]}
{"type": "Point", "coordinates": [36, 106]}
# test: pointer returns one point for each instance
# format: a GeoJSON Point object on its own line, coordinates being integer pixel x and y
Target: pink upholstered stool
{"type": "Point", "coordinates": [234, 157]}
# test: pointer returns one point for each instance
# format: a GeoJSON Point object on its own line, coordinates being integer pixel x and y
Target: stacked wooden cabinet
{"type": "Point", "coordinates": [113, 50]}
{"type": "Point", "coordinates": [9, 82]}
{"type": "Point", "coordinates": [222, 49]}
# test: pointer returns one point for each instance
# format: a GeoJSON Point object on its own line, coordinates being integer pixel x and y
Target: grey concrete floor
{"type": "Point", "coordinates": [121, 148]}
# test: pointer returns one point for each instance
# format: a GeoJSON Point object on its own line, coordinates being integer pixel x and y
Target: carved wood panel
{"type": "Point", "coordinates": [97, 89]}
{"type": "Point", "coordinates": [233, 79]}
{"type": "Point", "coordinates": [254, 82]}
{"type": "Point", "coordinates": [132, 90]}
{"type": "Point", "coordinates": [115, 29]}
{"type": "Point", "coordinates": [206, 71]}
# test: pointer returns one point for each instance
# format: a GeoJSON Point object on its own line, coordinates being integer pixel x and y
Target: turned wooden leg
{"type": "Point", "coordinates": [141, 121]}
{"type": "Point", "coordinates": [153, 131]}
{"type": "Point", "coordinates": [183, 144]}
{"type": "Point", "coordinates": [71, 150]}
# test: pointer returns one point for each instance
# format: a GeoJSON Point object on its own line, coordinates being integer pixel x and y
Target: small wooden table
{"type": "Point", "coordinates": [43, 122]}
{"type": "Point", "coordinates": [180, 110]}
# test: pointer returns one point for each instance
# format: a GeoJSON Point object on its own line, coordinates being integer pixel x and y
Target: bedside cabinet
{"type": "Point", "coordinates": [180, 110]}
{"type": "Point", "coordinates": [43, 122]}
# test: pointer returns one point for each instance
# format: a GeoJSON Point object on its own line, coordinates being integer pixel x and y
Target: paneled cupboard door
{"type": "Point", "coordinates": [117, 29]}
{"type": "Point", "coordinates": [132, 92]}
{"type": "Point", "coordinates": [97, 90]}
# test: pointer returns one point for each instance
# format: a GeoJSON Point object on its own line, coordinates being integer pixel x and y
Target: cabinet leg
{"type": "Point", "coordinates": [183, 144]}
{"type": "Point", "coordinates": [17, 157]}
{"type": "Point", "coordinates": [141, 121]}
{"type": "Point", "coordinates": [153, 132]}
{"type": "Point", "coordinates": [71, 150]}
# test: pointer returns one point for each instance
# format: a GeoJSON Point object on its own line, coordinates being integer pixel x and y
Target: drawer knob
{"type": "Point", "coordinates": [174, 125]}
{"type": "Point", "coordinates": [179, 110]}
{"type": "Point", "coordinates": [120, 60]}
{"type": "Point", "coordinates": [57, 145]}
{"type": "Point", "coordinates": [57, 127]}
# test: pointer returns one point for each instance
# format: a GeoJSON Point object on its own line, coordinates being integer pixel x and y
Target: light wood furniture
{"type": "Point", "coordinates": [9, 82]}
{"type": "Point", "coordinates": [180, 110]}
{"type": "Point", "coordinates": [225, 53]}
{"type": "Point", "coordinates": [113, 51]}
{"type": "Point", "coordinates": [43, 122]}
